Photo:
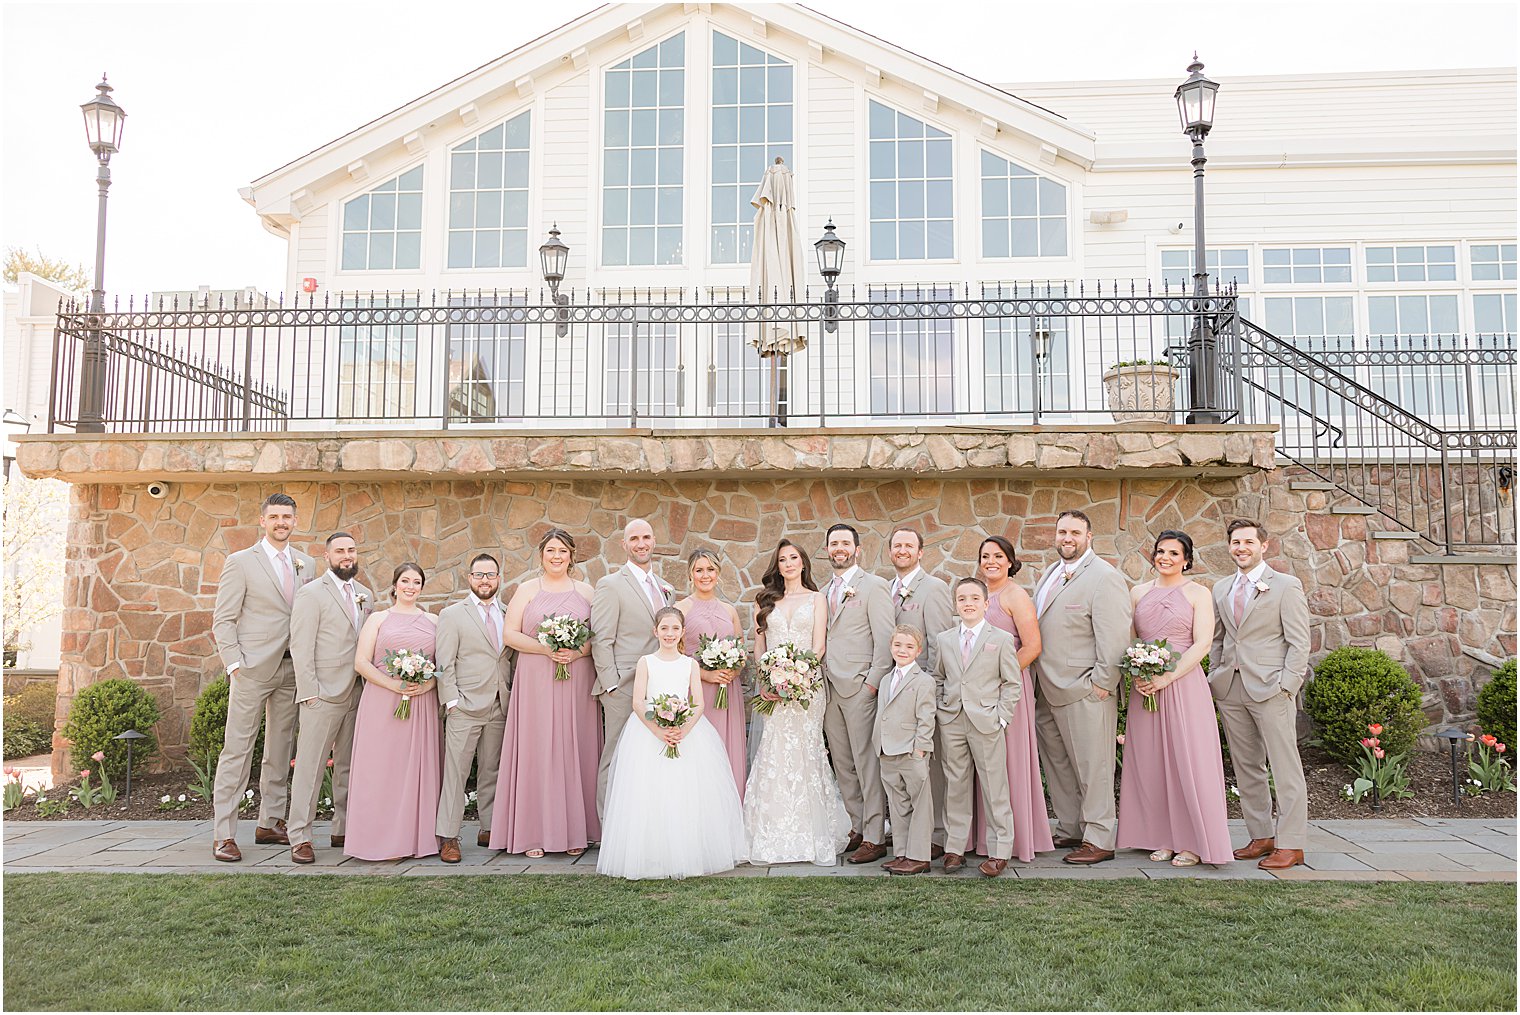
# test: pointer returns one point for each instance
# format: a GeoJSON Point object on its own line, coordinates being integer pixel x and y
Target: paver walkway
{"type": "Point", "coordinates": [1421, 849]}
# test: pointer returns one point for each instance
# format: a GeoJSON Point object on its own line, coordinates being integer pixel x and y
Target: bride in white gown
{"type": "Point", "coordinates": [792, 807]}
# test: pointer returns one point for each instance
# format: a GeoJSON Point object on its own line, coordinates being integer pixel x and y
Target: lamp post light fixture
{"type": "Point", "coordinates": [554, 254]}
{"type": "Point", "coordinates": [830, 251]}
{"type": "Point", "coordinates": [1039, 339]}
{"type": "Point", "coordinates": [1195, 106]}
{"type": "Point", "coordinates": [130, 737]}
{"type": "Point", "coordinates": [1455, 738]}
{"type": "Point", "coordinates": [103, 122]}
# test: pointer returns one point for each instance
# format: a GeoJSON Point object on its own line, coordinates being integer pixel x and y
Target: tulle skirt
{"type": "Point", "coordinates": [671, 817]}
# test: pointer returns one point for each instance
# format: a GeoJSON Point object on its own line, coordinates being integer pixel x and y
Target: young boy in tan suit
{"type": "Point", "coordinates": [905, 740]}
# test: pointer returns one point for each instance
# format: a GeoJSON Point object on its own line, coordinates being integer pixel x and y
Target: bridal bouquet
{"type": "Point", "coordinates": [669, 711]}
{"type": "Point", "coordinates": [721, 654]}
{"type": "Point", "coordinates": [1147, 660]}
{"type": "Point", "coordinates": [790, 673]}
{"type": "Point", "coordinates": [563, 631]}
{"type": "Point", "coordinates": [413, 667]}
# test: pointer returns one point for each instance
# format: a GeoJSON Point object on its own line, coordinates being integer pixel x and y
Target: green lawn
{"type": "Point", "coordinates": [104, 941]}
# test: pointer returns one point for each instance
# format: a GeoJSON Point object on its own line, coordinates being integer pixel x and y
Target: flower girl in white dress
{"type": "Point", "coordinates": [670, 817]}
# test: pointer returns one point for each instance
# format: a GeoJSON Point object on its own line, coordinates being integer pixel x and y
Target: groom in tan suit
{"type": "Point", "coordinates": [251, 625]}
{"type": "Point", "coordinates": [622, 630]}
{"type": "Point", "coordinates": [324, 635]}
{"type": "Point", "coordinates": [1260, 659]}
{"type": "Point", "coordinates": [857, 656]}
{"type": "Point", "coordinates": [976, 671]}
{"type": "Point", "coordinates": [1083, 606]}
{"type": "Point", "coordinates": [474, 672]}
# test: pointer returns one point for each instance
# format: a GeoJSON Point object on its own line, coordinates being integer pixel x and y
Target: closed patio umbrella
{"type": "Point", "coordinates": [775, 273]}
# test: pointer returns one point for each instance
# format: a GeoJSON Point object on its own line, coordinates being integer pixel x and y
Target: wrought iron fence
{"type": "Point", "coordinates": [1006, 354]}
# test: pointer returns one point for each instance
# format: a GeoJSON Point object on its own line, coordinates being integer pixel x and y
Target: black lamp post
{"type": "Point", "coordinates": [1455, 738]}
{"type": "Point", "coordinates": [1195, 105]}
{"type": "Point", "coordinates": [830, 250]}
{"type": "Point", "coordinates": [103, 122]}
{"type": "Point", "coordinates": [131, 736]}
{"type": "Point", "coordinates": [553, 254]}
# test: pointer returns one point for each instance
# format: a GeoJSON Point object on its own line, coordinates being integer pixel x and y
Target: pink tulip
{"type": "Point", "coordinates": [329, 763]}
{"type": "Point", "coordinates": [84, 773]}
{"type": "Point", "coordinates": [1376, 729]}
{"type": "Point", "coordinates": [98, 756]}
{"type": "Point", "coordinates": [1377, 752]}
{"type": "Point", "coordinates": [1499, 748]}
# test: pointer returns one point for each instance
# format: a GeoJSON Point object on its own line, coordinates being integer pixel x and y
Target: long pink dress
{"type": "Point", "coordinates": [1031, 822]}
{"type": "Point", "coordinates": [546, 790]}
{"type": "Point", "coordinates": [710, 617]}
{"type": "Point", "coordinates": [1172, 792]}
{"type": "Point", "coordinates": [396, 774]}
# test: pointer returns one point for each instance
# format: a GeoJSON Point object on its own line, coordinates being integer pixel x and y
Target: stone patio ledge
{"type": "Point", "coordinates": [1072, 451]}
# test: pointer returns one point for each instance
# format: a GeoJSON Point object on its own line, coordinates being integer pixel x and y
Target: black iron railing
{"type": "Point", "coordinates": [1009, 354]}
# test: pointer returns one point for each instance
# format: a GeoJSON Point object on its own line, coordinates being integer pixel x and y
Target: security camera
{"type": "Point", "coordinates": [1179, 227]}
{"type": "Point", "coordinates": [158, 490]}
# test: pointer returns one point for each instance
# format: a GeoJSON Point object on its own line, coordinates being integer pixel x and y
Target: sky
{"type": "Point", "coordinates": [220, 92]}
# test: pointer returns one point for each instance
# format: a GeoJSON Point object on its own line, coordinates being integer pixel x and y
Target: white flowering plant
{"type": "Point", "coordinates": [563, 631]}
{"type": "Point", "coordinates": [409, 667]}
{"type": "Point", "coordinates": [721, 654]}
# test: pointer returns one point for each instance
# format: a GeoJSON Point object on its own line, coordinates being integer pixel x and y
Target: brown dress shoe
{"type": "Point", "coordinates": [855, 840]}
{"type": "Point", "coordinates": [867, 852]}
{"type": "Point", "coordinates": [954, 862]}
{"type": "Point", "coordinates": [226, 851]}
{"type": "Point", "coordinates": [483, 840]}
{"type": "Point", "coordinates": [448, 850]}
{"type": "Point", "coordinates": [302, 852]}
{"type": "Point", "coordinates": [1066, 843]}
{"type": "Point", "coordinates": [992, 866]}
{"type": "Point", "coordinates": [271, 836]}
{"type": "Point", "coordinates": [1282, 859]}
{"type": "Point", "coordinates": [337, 841]}
{"type": "Point", "coordinates": [1255, 849]}
{"type": "Point", "coordinates": [910, 867]}
{"type": "Point", "coordinates": [893, 862]}
{"type": "Point", "coordinates": [1087, 853]}
{"type": "Point", "coordinates": [935, 852]}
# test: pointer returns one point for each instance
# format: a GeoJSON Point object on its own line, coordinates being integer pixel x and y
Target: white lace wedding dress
{"type": "Point", "coordinates": [792, 807]}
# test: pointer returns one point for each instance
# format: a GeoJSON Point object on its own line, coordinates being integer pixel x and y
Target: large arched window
{"type": "Point", "coordinates": [643, 144]}
{"type": "Point", "coordinates": [382, 230]}
{"type": "Point", "coordinates": [1023, 213]}
{"type": "Point", "coordinates": [912, 188]}
{"type": "Point", "coordinates": [751, 126]}
{"type": "Point", "coordinates": [488, 197]}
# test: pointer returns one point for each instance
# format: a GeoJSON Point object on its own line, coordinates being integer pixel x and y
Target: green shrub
{"type": "Point", "coordinates": [1353, 687]}
{"type": "Point", "coordinates": [208, 726]}
{"type": "Point", "coordinates": [103, 710]}
{"type": "Point", "coordinates": [1496, 705]}
{"type": "Point", "coordinates": [29, 720]}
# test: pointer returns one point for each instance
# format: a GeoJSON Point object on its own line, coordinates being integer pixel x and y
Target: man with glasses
{"type": "Point", "coordinates": [474, 671]}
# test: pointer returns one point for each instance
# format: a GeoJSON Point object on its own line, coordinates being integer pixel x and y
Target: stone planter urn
{"type": "Point", "coordinates": [1142, 392]}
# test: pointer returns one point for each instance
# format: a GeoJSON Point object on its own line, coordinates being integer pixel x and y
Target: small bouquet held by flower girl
{"type": "Point", "coordinates": [412, 667]}
{"type": "Point", "coordinates": [669, 711]}
{"type": "Point", "coordinates": [563, 631]}
{"type": "Point", "coordinates": [790, 673]}
{"type": "Point", "coordinates": [1147, 660]}
{"type": "Point", "coordinates": [721, 654]}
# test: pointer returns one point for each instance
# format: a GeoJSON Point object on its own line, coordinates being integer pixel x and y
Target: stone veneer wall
{"type": "Point", "coordinates": [142, 573]}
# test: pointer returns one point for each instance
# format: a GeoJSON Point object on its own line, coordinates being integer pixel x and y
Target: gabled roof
{"type": "Point", "coordinates": [285, 194]}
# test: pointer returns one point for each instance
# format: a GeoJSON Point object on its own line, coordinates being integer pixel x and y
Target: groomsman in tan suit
{"type": "Point", "coordinates": [976, 672]}
{"type": "Point", "coordinates": [1084, 612]}
{"type": "Point", "coordinates": [324, 634]}
{"type": "Point", "coordinates": [1260, 658]}
{"type": "Point", "coordinates": [474, 673]}
{"type": "Point", "coordinates": [622, 630]}
{"type": "Point", "coordinates": [905, 727]}
{"type": "Point", "coordinates": [251, 625]}
{"type": "Point", "coordinates": [922, 600]}
{"type": "Point", "coordinates": [857, 656]}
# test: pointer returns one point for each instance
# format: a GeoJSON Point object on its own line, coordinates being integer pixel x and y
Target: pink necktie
{"type": "Point", "coordinates": [834, 587]}
{"type": "Point", "coordinates": [897, 676]}
{"type": "Point", "coordinates": [348, 597]}
{"type": "Point", "coordinates": [966, 639]}
{"type": "Point", "coordinates": [657, 600]}
{"type": "Point", "coordinates": [485, 614]}
{"type": "Point", "coordinates": [1239, 604]}
{"type": "Point", "coordinates": [290, 578]}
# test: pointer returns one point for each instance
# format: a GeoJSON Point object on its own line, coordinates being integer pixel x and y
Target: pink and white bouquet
{"type": "Point", "coordinates": [560, 632]}
{"type": "Point", "coordinates": [411, 667]}
{"type": "Point", "coordinates": [721, 654]}
{"type": "Point", "coordinates": [1147, 660]}
{"type": "Point", "coordinates": [792, 674]}
{"type": "Point", "coordinates": [670, 711]}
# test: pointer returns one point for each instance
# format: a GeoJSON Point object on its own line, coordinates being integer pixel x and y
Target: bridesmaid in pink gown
{"type": "Point", "coordinates": [1011, 608]}
{"type": "Point", "coordinates": [706, 614]}
{"type": "Point", "coordinates": [546, 790]}
{"type": "Point", "coordinates": [1171, 798]}
{"type": "Point", "coordinates": [395, 775]}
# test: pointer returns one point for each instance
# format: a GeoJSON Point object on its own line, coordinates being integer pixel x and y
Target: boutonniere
{"type": "Point", "coordinates": [1262, 586]}
{"type": "Point", "coordinates": [1067, 576]}
{"type": "Point", "coordinates": [300, 565]}
{"type": "Point", "coordinates": [904, 594]}
{"type": "Point", "coordinates": [360, 599]}
{"type": "Point", "coordinates": [667, 590]}
{"type": "Point", "coordinates": [848, 593]}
